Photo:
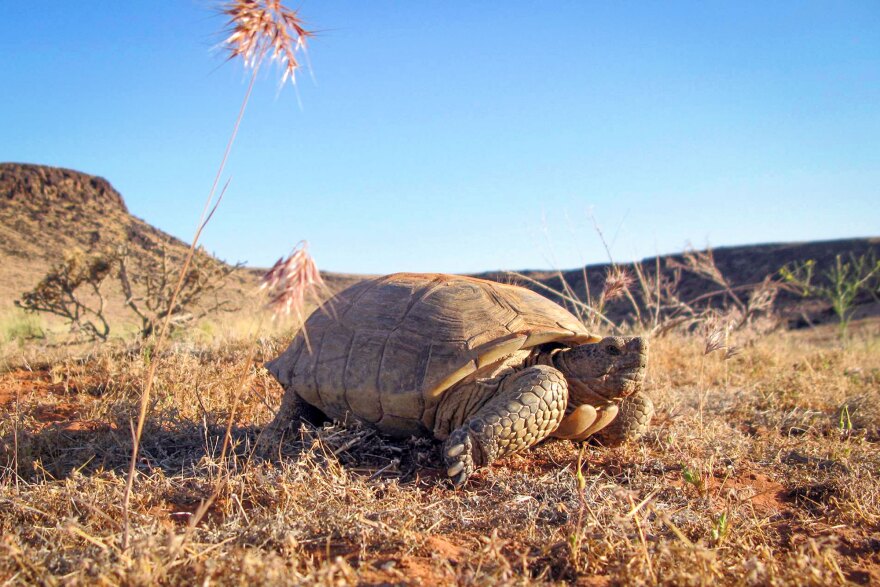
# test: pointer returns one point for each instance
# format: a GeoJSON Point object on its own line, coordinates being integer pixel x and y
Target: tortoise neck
{"type": "Point", "coordinates": [541, 357]}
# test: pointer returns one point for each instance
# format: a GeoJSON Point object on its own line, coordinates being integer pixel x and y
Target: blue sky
{"type": "Point", "coordinates": [459, 137]}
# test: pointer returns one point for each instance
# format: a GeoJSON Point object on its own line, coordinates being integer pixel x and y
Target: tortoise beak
{"type": "Point", "coordinates": [633, 368]}
{"type": "Point", "coordinates": [638, 348]}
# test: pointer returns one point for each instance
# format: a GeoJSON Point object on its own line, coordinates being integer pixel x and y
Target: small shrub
{"type": "Point", "coordinates": [74, 290]}
{"type": "Point", "coordinates": [840, 285]}
{"type": "Point", "coordinates": [149, 287]}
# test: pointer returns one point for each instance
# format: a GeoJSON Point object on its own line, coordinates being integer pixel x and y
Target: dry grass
{"type": "Point", "coordinates": [773, 481]}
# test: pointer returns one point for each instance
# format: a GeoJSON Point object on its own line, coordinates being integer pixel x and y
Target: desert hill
{"type": "Point", "coordinates": [742, 265]}
{"type": "Point", "coordinates": [48, 211]}
{"type": "Point", "coordinates": [45, 211]}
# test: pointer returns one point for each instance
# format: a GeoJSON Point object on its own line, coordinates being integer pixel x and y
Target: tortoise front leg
{"type": "Point", "coordinates": [527, 407]}
{"type": "Point", "coordinates": [632, 421]}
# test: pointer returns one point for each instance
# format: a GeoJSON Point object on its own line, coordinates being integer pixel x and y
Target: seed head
{"type": "Point", "coordinates": [731, 351]}
{"type": "Point", "coordinates": [617, 283]}
{"type": "Point", "coordinates": [714, 341]}
{"type": "Point", "coordinates": [260, 28]}
{"type": "Point", "coordinates": [292, 282]}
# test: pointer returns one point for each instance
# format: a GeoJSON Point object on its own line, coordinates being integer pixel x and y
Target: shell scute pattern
{"type": "Point", "coordinates": [361, 389]}
{"type": "Point", "coordinates": [400, 375]}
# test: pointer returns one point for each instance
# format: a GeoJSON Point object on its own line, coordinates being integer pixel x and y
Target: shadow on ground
{"type": "Point", "coordinates": [63, 448]}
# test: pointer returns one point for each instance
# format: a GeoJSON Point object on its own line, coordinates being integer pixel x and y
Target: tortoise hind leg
{"type": "Point", "coordinates": [527, 407]}
{"type": "Point", "coordinates": [632, 421]}
{"type": "Point", "coordinates": [293, 411]}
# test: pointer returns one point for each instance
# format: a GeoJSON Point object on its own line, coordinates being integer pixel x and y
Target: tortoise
{"type": "Point", "coordinates": [488, 368]}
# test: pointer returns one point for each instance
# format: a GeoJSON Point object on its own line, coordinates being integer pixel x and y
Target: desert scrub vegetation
{"type": "Point", "coordinates": [841, 284]}
{"type": "Point", "coordinates": [648, 298]}
{"type": "Point", "coordinates": [775, 486]}
{"type": "Point", "coordinates": [65, 291]}
{"type": "Point", "coordinates": [74, 290]}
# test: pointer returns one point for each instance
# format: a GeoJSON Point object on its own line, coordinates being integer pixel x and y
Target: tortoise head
{"type": "Point", "coordinates": [612, 368]}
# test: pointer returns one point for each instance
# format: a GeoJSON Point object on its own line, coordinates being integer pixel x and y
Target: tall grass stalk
{"type": "Point", "coordinates": [138, 430]}
{"type": "Point", "coordinates": [257, 29]}
{"type": "Point", "coordinates": [575, 538]}
{"type": "Point", "coordinates": [15, 436]}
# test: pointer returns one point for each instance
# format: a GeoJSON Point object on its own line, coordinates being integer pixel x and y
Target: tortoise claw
{"type": "Point", "coordinates": [458, 457]}
{"type": "Point", "coordinates": [455, 450]}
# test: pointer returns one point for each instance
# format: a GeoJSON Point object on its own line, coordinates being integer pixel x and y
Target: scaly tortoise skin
{"type": "Point", "coordinates": [486, 367]}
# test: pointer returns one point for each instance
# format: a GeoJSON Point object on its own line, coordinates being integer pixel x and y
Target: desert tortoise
{"type": "Point", "coordinates": [487, 367]}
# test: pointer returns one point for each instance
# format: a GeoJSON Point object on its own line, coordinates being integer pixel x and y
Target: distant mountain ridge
{"type": "Point", "coordinates": [46, 211]}
{"type": "Point", "coordinates": [38, 184]}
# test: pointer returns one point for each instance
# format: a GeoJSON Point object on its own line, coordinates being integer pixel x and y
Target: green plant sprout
{"type": "Point", "coordinates": [841, 286]}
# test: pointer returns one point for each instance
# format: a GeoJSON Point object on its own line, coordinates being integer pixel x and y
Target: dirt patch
{"type": "Point", "coordinates": [444, 547]}
{"type": "Point", "coordinates": [7, 398]}
{"type": "Point", "coordinates": [391, 567]}
{"type": "Point", "coordinates": [404, 570]}
{"type": "Point", "coordinates": [768, 496]}
{"type": "Point", "coordinates": [52, 403]}
{"type": "Point", "coordinates": [15, 384]}
{"type": "Point", "coordinates": [62, 412]}
{"type": "Point", "coordinates": [66, 416]}
{"type": "Point", "coordinates": [38, 384]}
{"type": "Point", "coordinates": [423, 571]}
{"type": "Point", "coordinates": [865, 552]}
{"type": "Point", "coordinates": [51, 400]}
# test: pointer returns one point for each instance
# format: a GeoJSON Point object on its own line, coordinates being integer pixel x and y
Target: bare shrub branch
{"type": "Point", "coordinates": [72, 290]}
{"type": "Point", "coordinates": [155, 279]}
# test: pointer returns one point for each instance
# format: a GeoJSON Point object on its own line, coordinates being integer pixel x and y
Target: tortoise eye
{"type": "Point", "coordinates": [613, 351]}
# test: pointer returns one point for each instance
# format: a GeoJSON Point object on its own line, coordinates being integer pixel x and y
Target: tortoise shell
{"type": "Point", "coordinates": [384, 351]}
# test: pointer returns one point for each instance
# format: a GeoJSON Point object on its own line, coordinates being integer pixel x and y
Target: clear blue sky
{"type": "Point", "coordinates": [466, 136]}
